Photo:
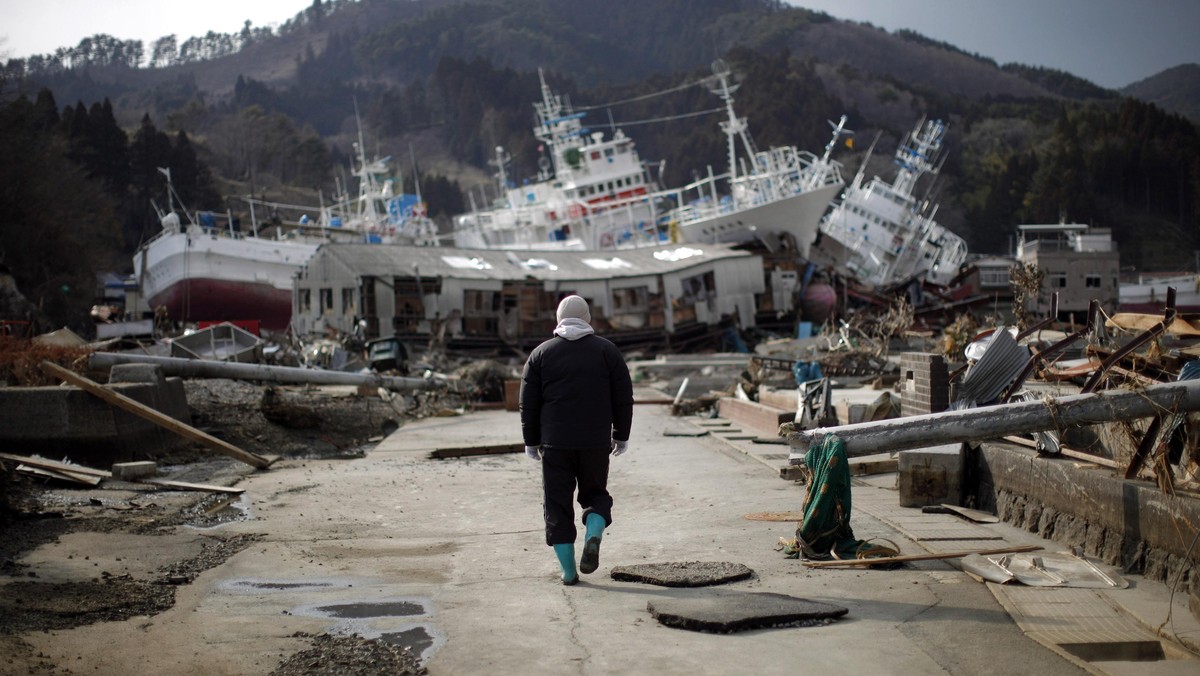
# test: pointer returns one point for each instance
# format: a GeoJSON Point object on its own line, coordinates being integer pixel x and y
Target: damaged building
{"type": "Point", "coordinates": [488, 298]}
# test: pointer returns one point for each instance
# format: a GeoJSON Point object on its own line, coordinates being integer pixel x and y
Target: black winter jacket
{"type": "Point", "coordinates": [576, 394]}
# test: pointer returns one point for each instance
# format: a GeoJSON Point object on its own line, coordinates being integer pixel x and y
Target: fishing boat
{"type": "Point", "coordinates": [881, 233]}
{"type": "Point", "coordinates": [593, 192]}
{"type": "Point", "coordinates": [1148, 292]}
{"type": "Point", "coordinates": [207, 268]}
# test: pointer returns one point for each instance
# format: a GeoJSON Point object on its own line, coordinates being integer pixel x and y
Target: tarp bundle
{"type": "Point", "coordinates": [825, 531]}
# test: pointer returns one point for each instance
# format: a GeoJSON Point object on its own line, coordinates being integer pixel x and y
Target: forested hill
{"type": "Point", "coordinates": [441, 83]}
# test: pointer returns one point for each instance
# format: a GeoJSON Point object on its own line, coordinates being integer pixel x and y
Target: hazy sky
{"type": "Point", "coordinates": [1110, 42]}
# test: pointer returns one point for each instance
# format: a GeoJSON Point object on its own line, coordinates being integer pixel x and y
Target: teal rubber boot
{"type": "Point", "coordinates": [566, 559]}
{"type": "Point", "coordinates": [591, 545]}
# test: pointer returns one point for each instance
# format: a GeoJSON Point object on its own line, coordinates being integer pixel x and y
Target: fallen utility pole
{"type": "Point", "coordinates": [994, 422]}
{"type": "Point", "coordinates": [162, 420]}
{"type": "Point", "coordinates": [204, 368]}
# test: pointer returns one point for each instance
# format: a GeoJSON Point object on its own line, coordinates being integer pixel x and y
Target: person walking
{"type": "Point", "coordinates": [576, 410]}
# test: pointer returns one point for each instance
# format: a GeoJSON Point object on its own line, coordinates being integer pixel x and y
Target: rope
{"type": "Point", "coordinates": [667, 119]}
{"type": "Point", "coordinates": [643, 97]}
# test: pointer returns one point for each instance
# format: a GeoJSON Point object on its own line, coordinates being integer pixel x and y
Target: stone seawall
{"type": "Point", "coordinates": [1125, 523]}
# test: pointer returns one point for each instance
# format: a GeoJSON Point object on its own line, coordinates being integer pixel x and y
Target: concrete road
{"type": "Point", "coordinates": [450, 554]}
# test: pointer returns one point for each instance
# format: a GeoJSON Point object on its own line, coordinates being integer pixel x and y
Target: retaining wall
{"type": "Point", "coordinates": [67, 421]}
{"type": "Point", "coordinates": [1131, 524]}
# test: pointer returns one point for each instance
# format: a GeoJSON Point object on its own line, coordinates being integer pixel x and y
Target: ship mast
{"type": "Point", "coordinates": [735, 127]}
{"type": "Point", "coordinates": [918, 155]}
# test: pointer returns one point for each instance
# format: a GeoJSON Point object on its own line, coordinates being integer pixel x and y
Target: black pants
{"type": "Point", "coordinates": [564, 469]}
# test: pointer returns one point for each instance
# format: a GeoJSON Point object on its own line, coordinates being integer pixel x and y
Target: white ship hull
{"type": "Point", "coordinates": [199, 276]}
{"type": "Point", "coordinates": [1149, 295]}
{"type": "Point", "coordinates": [796, 216]}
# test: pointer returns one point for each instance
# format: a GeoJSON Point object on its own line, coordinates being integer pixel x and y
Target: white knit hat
{"type": "Point", "coordinates": [574, 307]}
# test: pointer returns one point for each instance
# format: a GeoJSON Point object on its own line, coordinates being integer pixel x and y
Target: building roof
{"type": "Point", "coordinates": [381, 260]}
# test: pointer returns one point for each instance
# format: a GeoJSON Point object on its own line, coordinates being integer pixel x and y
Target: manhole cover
{"type": "Point", "coordinates": [726, 611]}
{"type": "Point", "coordinates": [682, 573]}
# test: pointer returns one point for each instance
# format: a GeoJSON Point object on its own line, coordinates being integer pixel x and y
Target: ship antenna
{"type": "Point", "coordinates": [416, 176]}
{"type": "Point", "coordinates": [862, 168]}
{"type": "Point", "coordinates": [839, 130]}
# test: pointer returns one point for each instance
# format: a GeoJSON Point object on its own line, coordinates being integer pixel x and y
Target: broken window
{"type": "Point", "coordinates": [698, 289]}
{"type": "Point", "coordinates": [1092, 281]}
{"type": "Point", "coordinates": [325, 299]}
{"type": "Point", "coordinates": [1057, 280]}
{"type": "Point", "coordinates": [367, 304]}
{"type": "Point", "coordinates": [347, 301]}
{"type": "Point", "coordinates": [481, 312]}
{"type": "Point", "coordinates": [410, 293]}
{"type": "Point", "coordinates": [630, 308]}
{"type": "Point", "coordinates": [304, 300]}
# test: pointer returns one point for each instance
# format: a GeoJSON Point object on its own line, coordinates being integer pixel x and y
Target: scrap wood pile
{"type": "Point", "coordinates": [1125, 352]}
{"type": "Point", "coordinates": [20, 361]}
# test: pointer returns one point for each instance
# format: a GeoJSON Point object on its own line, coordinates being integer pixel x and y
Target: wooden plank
{"type": "Point", "coordinates": [82, 479]}
{"type": "Point", "coordinates": [975, 515]}
{"type": "Point", "coordinates": [471, 451]}
{"type": "Point", "coordinates": [1089, 457]}
{"type": "Point", "coordinates": [160, 419]}
{"type": "Point", "coordinates": [187, 486]}
{"type": "Point", "coordinates": [919, 557]}
{"type": "Point", "coordinates": [45, 463]}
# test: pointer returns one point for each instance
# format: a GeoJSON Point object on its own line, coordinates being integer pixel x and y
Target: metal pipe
{"type": "Point", "coordinates": [993, 422]}
{"type": "Point", "coordinates": [205, 368]}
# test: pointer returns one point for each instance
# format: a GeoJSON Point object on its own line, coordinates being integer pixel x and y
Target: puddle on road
{"type": "Point", "coordinates": [359, 611]}
{"type": "Point", "coordinates": [353, 611]}
{"type": "Point", "coordinates": [280, 586]}
{"type": "Point", "coordinates": [416, 639]}
{"type": "Point", "coordinates": [1117, 651]}
{"type": "Point", "coordinates": [258, 585]}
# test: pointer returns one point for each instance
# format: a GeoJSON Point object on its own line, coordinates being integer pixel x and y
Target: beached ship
{"type": "Point", "coordinates": [207, 268]}
{"type": "Point", "coordinates": [881, 233]}
{"type": "Point", "coordinates": [593, 192]}
{"type": "Point", "coordinates": [1148, 292]}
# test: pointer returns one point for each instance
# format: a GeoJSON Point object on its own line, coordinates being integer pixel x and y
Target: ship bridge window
{"type": "Point", "coordinates": [993, 277]}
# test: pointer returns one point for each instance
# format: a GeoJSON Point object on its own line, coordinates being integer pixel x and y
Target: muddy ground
{"type": "Point", "coordinates": [292, 422]}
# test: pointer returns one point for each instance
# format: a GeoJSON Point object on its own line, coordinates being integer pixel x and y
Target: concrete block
{"type": "Point", "coordinates": [137, 373]}
{"type": "Point", "coordinates": [782, 399]}
{"type": "Point", "coordinates": [850, 413]}
{"type": "Point", "coordinates": [752, 415]}
{"type": "Point", "coordinates": [931, 476]}
{"type": "Point", "coordinates": [881, 463]}
{"type": "Point", "coordinates": [130, 471]}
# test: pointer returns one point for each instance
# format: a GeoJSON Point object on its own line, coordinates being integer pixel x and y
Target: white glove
{"type": "Point", "coordinates": [534, 452]}
{"type": "Point", "coordinates": [619, 447]}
